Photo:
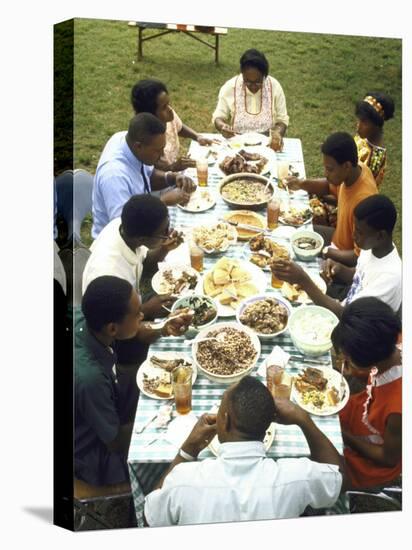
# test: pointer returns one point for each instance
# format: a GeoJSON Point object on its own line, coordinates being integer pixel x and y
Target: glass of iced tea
{"type": "Point", "coordinates": [276, 283]}
{"type": "Point", "coordinates": [182, 389]}
{"type": "Point", "coordinates": [202, 172]}
{"type": "Point", "coordinates": [273, 211]}
{"type": "Point", "coordinates": [196, 257]}
{"type": "Point", "coordinates": [274, 375]}
{"type": "Point", "coordinates": [282, 391]}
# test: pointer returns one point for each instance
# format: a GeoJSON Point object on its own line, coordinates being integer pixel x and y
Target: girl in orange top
{"type": "Point", "coordinates": [371, 422]}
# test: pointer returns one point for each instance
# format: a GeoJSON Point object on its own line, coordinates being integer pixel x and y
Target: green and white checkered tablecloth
{"type": "Point", "coordinates": [147, 462]}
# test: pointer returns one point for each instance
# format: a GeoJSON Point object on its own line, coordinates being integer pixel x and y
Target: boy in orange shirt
{"type": "Point", "coordinates": [350, 182]}
{"type": "Point", "coordinates": [367, 336]}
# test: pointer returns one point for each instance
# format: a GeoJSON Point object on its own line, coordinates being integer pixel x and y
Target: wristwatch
{"type": "Point", "coordinates": [187, 456]}
{"type": "Point", "coordinates": [324, 252]}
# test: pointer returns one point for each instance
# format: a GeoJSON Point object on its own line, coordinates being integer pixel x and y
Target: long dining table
{"type": "Point", "coordinates": [150, 450]}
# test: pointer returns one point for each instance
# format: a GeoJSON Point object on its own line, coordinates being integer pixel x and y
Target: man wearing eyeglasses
{"type": "Point", "coordinates": [132, 244]}
{"type": "Point", "coordinates": [125, 169]}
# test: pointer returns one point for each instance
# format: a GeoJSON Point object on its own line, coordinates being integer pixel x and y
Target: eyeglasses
{"type": "Point", "coordinates": [249, 83]}
{"type": "Point", "coordinates": [164, 237]}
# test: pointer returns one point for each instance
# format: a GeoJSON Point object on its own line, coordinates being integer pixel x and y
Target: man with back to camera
{"type": "Point", "coordinates": [125, 168]}
{"type": "Point", "coordinates": [241, 483]}
{"type": "Point", "coordinates": [350, 182]}
{"type": "Point", "coordinates": [378, 270]}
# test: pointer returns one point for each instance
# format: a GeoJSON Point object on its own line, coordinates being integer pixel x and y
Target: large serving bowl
{"type": "Point", "coordinates": [248, 301]}
{"type": "Point", "coordinates": [310, 328]}
{"type": "Point", "coordinates": [255, 204]}
{"type": "Point", "coordinates": [220, 328]}
{"type": "Point", "coordinates": [307, 254]}
{"type": "Point", "coordinates": [195, 301]}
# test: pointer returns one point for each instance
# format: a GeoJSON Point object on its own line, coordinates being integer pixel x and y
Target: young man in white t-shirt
{"type": "Point", "coordinates": [379, 268]}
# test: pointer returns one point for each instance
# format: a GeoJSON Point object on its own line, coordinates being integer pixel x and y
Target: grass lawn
{"type": "Point", "coordinates": [322, 77]}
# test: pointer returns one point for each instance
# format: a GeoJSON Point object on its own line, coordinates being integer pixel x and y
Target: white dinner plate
{"type": "Point", "coordinates": [319, 282]}
{"type": "Point", "coordinates": [158, 278]}
{"type": "Point", "coordinates": [249, 139]}
{"type": "Point", "coordinates": [334, 379]}
{"type": "Point", "coordinates": [200, 201]}
{"type": "Point", "coordinates": [283, 221]}
{"type": "Point", "coordinates": [148, 367]}
{"type": "Point", "coordinates": [258, 278]}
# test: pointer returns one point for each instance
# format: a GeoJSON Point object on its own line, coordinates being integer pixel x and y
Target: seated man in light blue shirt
{"type": "Point", "coordinates": [126, 168]}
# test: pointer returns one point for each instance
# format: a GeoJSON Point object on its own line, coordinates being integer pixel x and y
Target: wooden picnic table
{"type": "Point", "coordinates": [189, 30]}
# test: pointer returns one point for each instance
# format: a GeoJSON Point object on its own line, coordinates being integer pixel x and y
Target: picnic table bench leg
{"type": "Point", "coordinates": [217, 49]}
{"type": "Point", "coordinates": [139, 44]}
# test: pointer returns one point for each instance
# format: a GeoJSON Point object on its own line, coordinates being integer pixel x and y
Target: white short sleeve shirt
{"type": "Point", "coordinates": [110, 255]}
{"type": "Point", "coordinates": [241, 485]}
{"type": "Point", "coordinates": [378, 277]}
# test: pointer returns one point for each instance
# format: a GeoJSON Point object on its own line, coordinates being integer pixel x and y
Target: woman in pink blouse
{"type": "Point", "coordinates": [151, 96]}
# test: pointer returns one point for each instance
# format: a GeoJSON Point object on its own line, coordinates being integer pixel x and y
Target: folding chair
{"type": "Point", "coordinates": [74, 262]}
{"type": "Point", "coordinates": [74, 201]}
{"type": "Point", "coordinates": [89, 498]}
{"type": "Point", "coordinates": [389, 498]}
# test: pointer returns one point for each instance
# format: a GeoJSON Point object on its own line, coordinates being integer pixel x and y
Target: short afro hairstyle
{"type": "Point", "coordinates": [142, 215]}
{"type": "Point", "coordinates": [342, 147]}
{"type": "Point", "coordinates": [252, 406]}
{"type": "Point", "coordinates": [256, 59]}
{"type": "Point", "coordinates": [364, 110]}
{"type": "Point", "coordinates": [144, 95]}
{"type": "Point", "coordinates": [367, 331]}
{"type": "Point", "coordinates": [105, 301]}
{"type": "Point", "coordinates": [378, 212]}
{"type": "Point", "coordinates": [144, 126]}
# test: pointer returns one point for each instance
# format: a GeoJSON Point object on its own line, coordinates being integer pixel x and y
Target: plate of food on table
{"type": "Point", "coordinates": [231, 281]}
{"type": "Point", "coordinates": [262, 250]}
{"type": "Point", "coordinates": [252, 160]}
{"type": "Point", "coordinates": [296, 295]}
{"type": "Point", "coordinates": [175, 279]}
{"type": "Point", "coordinates": [214, 238]}
{"type": "Point", "coordinates": [204, 310]}
{"type": "Point", "coordinates": [267, 315]}
{"type": "Point", "coordinates": [249, 139]}
{"type": "Point", "coordinates": [296, 216]}
{"type": "Point", "coordinates": [200, 201]}
{"type": "Point", "coordinates": [154, 374]}
{"type": "Point", "coordinates": [247, 223]}
{"type": "Point", "coordinates": [320, 390]}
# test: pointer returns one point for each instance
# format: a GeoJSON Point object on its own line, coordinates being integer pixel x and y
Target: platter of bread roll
{"type": "Point", "coordinates": [230, 281]}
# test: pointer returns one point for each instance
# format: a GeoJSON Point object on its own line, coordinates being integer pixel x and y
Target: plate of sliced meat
{"type": "Point", "coordinates": [249, 160]}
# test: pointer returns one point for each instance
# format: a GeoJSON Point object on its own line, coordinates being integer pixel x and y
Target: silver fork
{"type": "Point", "coordinates": [342, 388]}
